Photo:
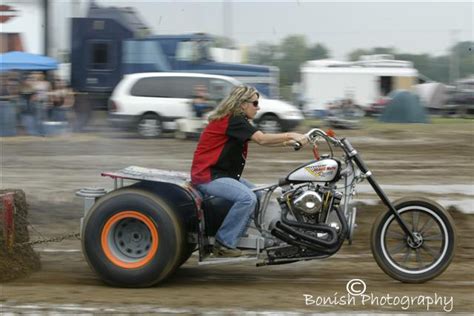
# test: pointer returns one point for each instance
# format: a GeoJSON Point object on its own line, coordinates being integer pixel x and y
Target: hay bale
{"type": "Point", "coordinates": [21, 260]}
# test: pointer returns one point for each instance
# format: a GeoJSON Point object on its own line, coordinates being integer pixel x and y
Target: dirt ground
{"type": "Point", "coordinates": [433, 160]}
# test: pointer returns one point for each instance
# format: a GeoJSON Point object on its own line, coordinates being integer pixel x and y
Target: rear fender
{"type": "Point", "coordinates": [172, 186]}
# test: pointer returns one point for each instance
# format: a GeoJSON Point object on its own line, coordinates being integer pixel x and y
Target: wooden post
{"type": "Point", "coordinates": [8, 220]}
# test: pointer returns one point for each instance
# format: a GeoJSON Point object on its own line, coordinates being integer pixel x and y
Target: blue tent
{"type": "Point", "coordinates": [26, 61]}
{"type": "Point", "coordinates": [404, 107]}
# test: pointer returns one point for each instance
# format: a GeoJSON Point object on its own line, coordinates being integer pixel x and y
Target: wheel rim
{"type": "Point", "coordinates": [426, 252]}
{"type": "Point", "coordinates": [129, 239]}
{"type": "Point", "coordinates": [149, 127]}
{"type": "Point", "coordinates": [269, 125]}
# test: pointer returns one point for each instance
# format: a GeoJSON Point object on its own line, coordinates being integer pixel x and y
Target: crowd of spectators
{"type": "Point", "coordinates": [30, 104]}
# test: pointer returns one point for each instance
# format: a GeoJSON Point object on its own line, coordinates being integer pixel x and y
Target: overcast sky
{"type": "Point", "coordinates": [411, 27]}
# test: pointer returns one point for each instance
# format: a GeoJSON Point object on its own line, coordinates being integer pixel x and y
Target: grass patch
{"type": "Point", "coordinates": [374, 126]}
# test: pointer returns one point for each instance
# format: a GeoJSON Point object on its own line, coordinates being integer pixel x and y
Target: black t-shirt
{"type": "Point", "coordinates": [222, 149]}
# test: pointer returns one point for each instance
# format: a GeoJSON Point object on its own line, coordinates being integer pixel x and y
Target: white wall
{"type": "Point", "coordinates": [320, 89]}
{"type": "Point", "coordinates": [321, 84]}
{"type": "Point", "coordinates": [28, 22]}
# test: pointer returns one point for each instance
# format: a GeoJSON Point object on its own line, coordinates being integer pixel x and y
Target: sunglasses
{"type": "Point", "coordinates": [254, 103]}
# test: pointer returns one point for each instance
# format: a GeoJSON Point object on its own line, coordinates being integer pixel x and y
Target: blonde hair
{"type": "Point", "coordinates": [231, 104]}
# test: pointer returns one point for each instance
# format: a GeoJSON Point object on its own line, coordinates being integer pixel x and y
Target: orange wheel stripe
{"type": "Point", "coordinates": [108, 252]}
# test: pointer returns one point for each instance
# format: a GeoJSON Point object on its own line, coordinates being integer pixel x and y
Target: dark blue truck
{"type": "Point", "coordinates": [105, 47]}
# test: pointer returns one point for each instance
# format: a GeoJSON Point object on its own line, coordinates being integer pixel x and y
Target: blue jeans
{"type": "Point", "coordinates": [238, 218]}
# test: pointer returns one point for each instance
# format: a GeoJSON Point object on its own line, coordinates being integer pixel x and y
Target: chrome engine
{"type": "Point", "coordinates": [306, 203]}
{"type": "Point", "coordinates": [311, 221]}
{"type": "Point", "coordinates": [310, 204]}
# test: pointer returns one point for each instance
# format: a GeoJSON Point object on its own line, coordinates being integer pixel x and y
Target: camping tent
{"type": "Point", "coordinates": [26, 61]}
{"type": "Point", "coordinates": [432, 94]}
{"type": "Point", "coordinates": [404, 107]}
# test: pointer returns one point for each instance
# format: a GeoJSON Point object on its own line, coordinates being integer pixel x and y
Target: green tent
{"type": "Point", "coordinates": [404, 107]}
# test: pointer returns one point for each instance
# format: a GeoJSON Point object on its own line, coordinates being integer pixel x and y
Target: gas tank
{"type": "Point", "coordinates": [324, 170]}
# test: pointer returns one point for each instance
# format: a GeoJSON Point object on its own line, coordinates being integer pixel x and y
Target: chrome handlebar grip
{"type": "Point", "coordinates": [318, 132]}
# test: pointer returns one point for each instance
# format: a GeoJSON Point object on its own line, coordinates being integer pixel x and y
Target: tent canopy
{"type": "Point", "coordinates": [404, 107]}
{"type": "Point", "coordinates": [26, 61]}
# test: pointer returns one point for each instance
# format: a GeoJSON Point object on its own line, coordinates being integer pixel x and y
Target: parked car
{"type": "Point", "coordinates": [152, 102]}
{"type": "Point", "coordinates": [460, 98]}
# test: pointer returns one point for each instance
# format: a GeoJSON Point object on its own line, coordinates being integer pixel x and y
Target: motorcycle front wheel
{"type": "Point", "coordinates": [420, 260]}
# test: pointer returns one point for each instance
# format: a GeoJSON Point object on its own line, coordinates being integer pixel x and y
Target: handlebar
{"type": "Point", "coordinates": [294, 144]}
{"type": "Point", "coordinates": [330, 139]}
{"type": "Point", "coordinates": [315, 132]}
{"type": "Point", "coordinates": [297, 146]}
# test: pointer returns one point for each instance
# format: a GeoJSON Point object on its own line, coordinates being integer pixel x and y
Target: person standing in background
{"type": "Point", "coordinates": [41, 99]}
{"type": "Point", "coordinates": [8, 104]}
{"type": "Point", "coordinates": [201, 103]}
{"type": "Point", "coordinates": [62, 100]}
{"type": "Point", "coordinates": [27, 113]}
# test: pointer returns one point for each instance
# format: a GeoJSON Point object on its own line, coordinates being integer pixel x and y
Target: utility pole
{"type": "Point", "coordinates": [227, 23]}
{"type": "Point", "coordinates": [46, 28]}
{"type": "Point", "coordinates": [227, 16]}
{"type": "Point", "coordinates": [454, 60]}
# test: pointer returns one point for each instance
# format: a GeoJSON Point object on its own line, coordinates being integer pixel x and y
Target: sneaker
{"type": "Point", "coordinates": [220, 250]}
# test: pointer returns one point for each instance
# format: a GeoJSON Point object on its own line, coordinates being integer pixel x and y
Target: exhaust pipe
{"type": "Point", "coordinates": [313, 240]}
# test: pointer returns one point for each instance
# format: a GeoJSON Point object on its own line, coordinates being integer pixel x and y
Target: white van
{"type": "Point", "coordinates": [151, 102]}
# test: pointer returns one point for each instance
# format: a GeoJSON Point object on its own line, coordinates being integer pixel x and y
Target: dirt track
{"type": "Point", "coordinates": [50, 170]}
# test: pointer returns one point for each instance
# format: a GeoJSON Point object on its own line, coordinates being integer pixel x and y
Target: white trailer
{"type": "Point", "coordinates": [364, 81]}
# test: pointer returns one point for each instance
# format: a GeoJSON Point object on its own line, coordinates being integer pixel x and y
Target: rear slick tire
{"type": "Point", "coordinates": [410, 262]}
{"type": "Point", "coordinates": [132, 238]}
